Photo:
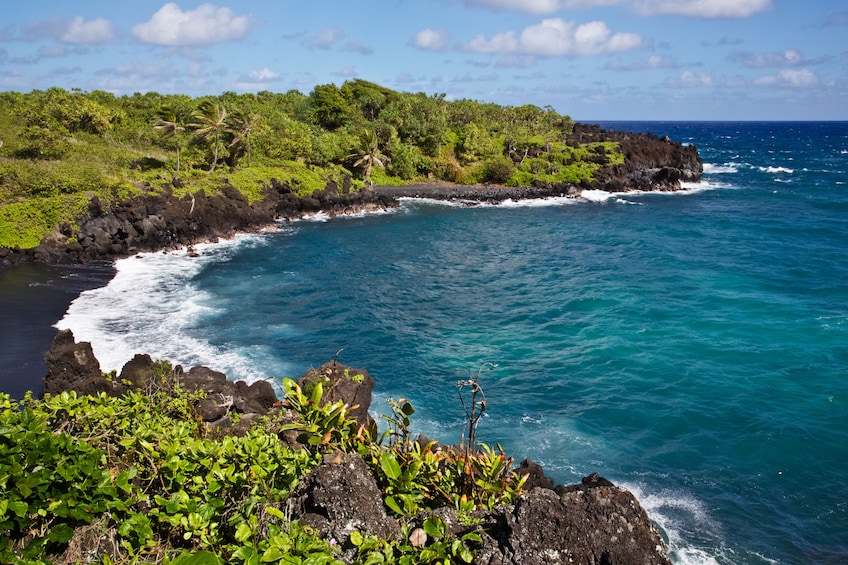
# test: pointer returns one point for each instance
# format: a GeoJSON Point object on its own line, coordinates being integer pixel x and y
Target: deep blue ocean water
{"type": "Point", "coordinates": [692, 347]}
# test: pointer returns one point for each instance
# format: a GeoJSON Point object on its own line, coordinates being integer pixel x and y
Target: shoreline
{"type": "Point", "coordinates": [33, 298]}
{"type": "Point", "coordinates": [35, 295]}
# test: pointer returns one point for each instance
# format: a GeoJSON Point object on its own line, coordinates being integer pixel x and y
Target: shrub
{"type": "Point", "coordinates": [498, 170]}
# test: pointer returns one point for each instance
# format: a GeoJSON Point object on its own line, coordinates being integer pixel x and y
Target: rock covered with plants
{"type": "Point", "coordinates": [136, 473]}
{"type": "Point", "coordinates": [88, 174]}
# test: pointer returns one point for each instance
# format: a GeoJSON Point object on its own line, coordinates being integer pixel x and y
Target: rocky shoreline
{"type": "Point", "coordinates": [594, 522]}
{"type": "Point", "coordinates": [152, 222]}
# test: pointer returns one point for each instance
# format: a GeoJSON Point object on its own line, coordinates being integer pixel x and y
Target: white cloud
{"type": "Point", "coordinates": [205, 25]}
{"type": "Point", "coordinates": [358, 47]}
{"type": "Point", "coordinates": [786, 58]}
{"type": "Point", "coordinates": [324, 39]}
{"type": "Point", "coordinates": [556, 37]}
{"type": "Point", "coordinates": [94, 31]}
{"type": "Point", "coordinates": [689, 79]}
{"type": "Point", "coordinates": [265, 74]}
{"type": "Point", "coordinates": [651, 63]}
{"type": "Point", "coordinates": [692, 8]}
{"type": "Point", "coordinates": [432, 40]}
{"type": "Point", "coordinates": [531, 6]}
{"type": "Point", "coordinates": [789, 77]}
{"type": "Point", "coordinates": [702, 8]}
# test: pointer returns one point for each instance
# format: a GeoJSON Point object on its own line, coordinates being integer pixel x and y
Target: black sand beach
{"type": "Point", "coordinates": [33, 297]}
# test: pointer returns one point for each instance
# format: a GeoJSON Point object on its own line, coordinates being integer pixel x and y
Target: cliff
{"type": "Point", "coordinates": [345, 498]}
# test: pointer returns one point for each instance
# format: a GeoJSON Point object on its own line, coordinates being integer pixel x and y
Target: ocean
{"type": "Point", "coordinates": [690, 346]}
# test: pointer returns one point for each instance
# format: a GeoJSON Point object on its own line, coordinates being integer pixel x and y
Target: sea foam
{"type": "Point", "coordinates": [711, 169]}
{"type": "Point", "coordinates": [152, 307]}
{"type": "Point", "coordinates": [771, 169]}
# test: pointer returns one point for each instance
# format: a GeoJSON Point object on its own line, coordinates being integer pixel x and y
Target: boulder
{"type": "Point", "coordinates": [340, 496]}
{"type": "Point", "coordinates": [73, 366]}
{"type": "Point", "coordinates": [340, 382]}
{"type": "Point", "coordinates": [593, 523]}
{"type": "Point", "coordinates": [138, 371]}
{"type": "Point", "coordinates": [535, 475]}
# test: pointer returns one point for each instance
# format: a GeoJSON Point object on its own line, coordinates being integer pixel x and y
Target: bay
{"type": "Point", "coordinates": [692, 347]}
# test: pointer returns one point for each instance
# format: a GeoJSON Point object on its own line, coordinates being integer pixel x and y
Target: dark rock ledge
{"type": "Point", "coordinates": [593, 523]}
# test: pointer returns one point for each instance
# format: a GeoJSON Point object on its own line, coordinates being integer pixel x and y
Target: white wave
{"type": "Point", "coordinates": [596, 195]}
{"type": "Point", "coordinates": [410, 200]}
{"type": "Point", "coordinates": [771, 169]}
{"type": "Point", "coordinates": [696, 187]}
{"type": "Point", "coordinates": [537, 202]}
{"type": "Point", "coordinates": [710, 169]}
{"type": "Point", "coordinates": [508, 203]}
{"type": "Point", "coordinates": [674, 512]}
{"type": "Point", "coordinates": [151, 306]}
{"type": "Point", "coordinates": [322, 216]}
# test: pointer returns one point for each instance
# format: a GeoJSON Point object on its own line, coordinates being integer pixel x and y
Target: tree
{"type": "Point", "coordinates": [368, 154]}
{"type": "Point", "coordinates": [242, 124]}
{"type": "Point", "coordinates": [169, 122]}
{"type": "Point", "coordinates": [328, 107]}
{"type": "Point", "coordinates": [210, 119]}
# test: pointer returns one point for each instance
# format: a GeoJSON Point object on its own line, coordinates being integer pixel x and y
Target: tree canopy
{"type": "Point", "coordinates": [63, 144]}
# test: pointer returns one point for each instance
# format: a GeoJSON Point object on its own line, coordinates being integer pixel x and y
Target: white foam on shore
{"type": "Point", "coordinates": [596, 195]}
{"type": "Point", "coordinates": [537, 202]}
{"type": "Point", "coordinates": [151, 306]}
{"type": "Point", "coordinates": [508, 203]}
{"type": "Point", "coordinates": [674, 512]}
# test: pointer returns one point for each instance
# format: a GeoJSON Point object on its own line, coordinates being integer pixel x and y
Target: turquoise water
{"type": "Point", "coordinates": [692, 347]}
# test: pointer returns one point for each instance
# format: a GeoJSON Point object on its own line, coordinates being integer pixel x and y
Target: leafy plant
{"type": "Point", "coordinates": [433, 547]}
{"type": "Point", "coordinates": [322, 427]}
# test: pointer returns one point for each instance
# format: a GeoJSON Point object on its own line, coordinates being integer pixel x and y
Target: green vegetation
{"type": "Point", "coordinates": [140, 475]}
{"type": "Point", "coordinates": [56, 142]}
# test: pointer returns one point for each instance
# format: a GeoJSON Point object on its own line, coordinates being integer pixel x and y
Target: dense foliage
{"type": "Point", "coordinates": [137, 479]}
{"type": "Point", "coordinates": [57, 147]}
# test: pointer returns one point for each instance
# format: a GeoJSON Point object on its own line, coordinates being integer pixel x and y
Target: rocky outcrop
{"type": "Point", "coordinates": [73, 366]}
{"type": "Point", "coordinates": [227, 406]}
{"type": "Point", "coordinates": [593, 523]}
{"type": "Point", "coordinates": [341, 496]}
{"type": "Point", "coordinates": [339, 382]}
{"type": "Point", "coordinates": [155, 222]}
{"type": "Point", "coordinates": [650, 162]}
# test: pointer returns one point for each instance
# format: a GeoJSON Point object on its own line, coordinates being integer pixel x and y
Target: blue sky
{"type": "Point", "coordinates": [590, 59]}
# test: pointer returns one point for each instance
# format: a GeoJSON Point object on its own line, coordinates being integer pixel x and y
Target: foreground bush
{"type": "Point", "coordinates": [140, 476]}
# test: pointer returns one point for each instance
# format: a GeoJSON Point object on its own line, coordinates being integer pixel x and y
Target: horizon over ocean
{"type": "Point", "coordinates": [692, 347]}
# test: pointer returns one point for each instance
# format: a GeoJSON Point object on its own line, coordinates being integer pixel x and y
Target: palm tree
{"type": "Point", "coordinates": [210, 120]}
{"type": "Point", "coordinates": [169, 122]}
{"type": "Point", "coordinates": [367, 155]}
{"type": "Point", "coordinates": [241, 126]}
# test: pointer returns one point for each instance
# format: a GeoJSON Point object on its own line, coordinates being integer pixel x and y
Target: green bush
{"type": "Point", "coordinates": [498, 170]}
{"type": "Point", "coordinates": [140, 470]}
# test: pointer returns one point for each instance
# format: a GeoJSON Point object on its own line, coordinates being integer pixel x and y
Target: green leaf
{"type": "Point", "coordinates": [60, 533]}
{"type": "Point", "coordinates": [197, 558]}
{"type": "Point", "coordinates": [243, 532]}
{"type": "Point", "coordinates": [356, 538]}
{"type": "Point", "coordinates": [317, 392]}
{"type": "Point", "coordinates": [390, 466]}
{"type": "Point", "coordinates": [375, 557]}
{"type": "Point", "coordinates": [19, 507]}
{"type": "Point", "coordinates": [435, 527]}
{"type": "Point", "coordinates": [393, 505]}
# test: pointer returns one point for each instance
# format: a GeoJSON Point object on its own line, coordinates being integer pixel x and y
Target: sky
{"type": "Point", "coordinates": [594, 60]}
